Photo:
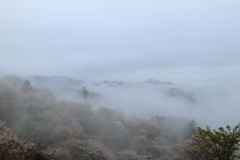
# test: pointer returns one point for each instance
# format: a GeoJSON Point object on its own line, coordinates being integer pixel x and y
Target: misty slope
{"type": "Point", "coordinates": [73, 130]}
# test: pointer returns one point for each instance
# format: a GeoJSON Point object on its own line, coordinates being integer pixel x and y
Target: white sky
{"type": "Point", "coordinates": [189, 42]}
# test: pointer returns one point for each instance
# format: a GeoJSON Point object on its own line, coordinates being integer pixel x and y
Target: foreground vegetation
{"type": "Point", "coordinates": [34, 125]}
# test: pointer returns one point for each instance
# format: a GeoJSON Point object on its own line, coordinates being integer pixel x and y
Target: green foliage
{"type": "Point", "coordinates": [221, 144]}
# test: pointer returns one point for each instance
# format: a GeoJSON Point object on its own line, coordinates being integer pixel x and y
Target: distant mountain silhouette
{"type": "Point", "coordinates": [113, 83]}
{"type": "Point", "coordinates": [156, 82]}
{"type": "Point", "coordinates": [67, 87]}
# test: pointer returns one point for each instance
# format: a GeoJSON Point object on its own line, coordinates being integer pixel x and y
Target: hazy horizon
{"type": "Point", "coordinates": [187, 42]}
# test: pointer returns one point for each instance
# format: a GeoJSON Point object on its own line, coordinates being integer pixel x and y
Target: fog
{"type": "Point", "coordinates": [208, 105]}
{"type": "Point", "coordinates": [192, 44]}
{"type": "Point", "coordinates": [211, 106]}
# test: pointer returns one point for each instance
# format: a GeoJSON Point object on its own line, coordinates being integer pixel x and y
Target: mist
{"type": "Point", "coordinates": [210, 106]}
{"type": "Point", "coordinates": [214, 106]}
{"type": "Point", "coordinates": [141, 61]}
{"type": "Point", "coordinates": [183, 42]}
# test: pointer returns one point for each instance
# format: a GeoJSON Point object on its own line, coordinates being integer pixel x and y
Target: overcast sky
{"type": "Point", "coordinates": [182, 41]}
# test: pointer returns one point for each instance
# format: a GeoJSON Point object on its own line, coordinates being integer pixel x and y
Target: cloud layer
{"type": "Point", "coordinates": [179, 41]}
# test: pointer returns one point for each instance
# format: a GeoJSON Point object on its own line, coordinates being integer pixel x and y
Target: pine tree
{"type": "Point", "coordinates": [27, 87]}
{"type": "Point", "coordinates": [85, 93]}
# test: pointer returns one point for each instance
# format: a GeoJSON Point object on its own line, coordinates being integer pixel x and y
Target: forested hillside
{"type": "Point", "coordinates": [34, 125]}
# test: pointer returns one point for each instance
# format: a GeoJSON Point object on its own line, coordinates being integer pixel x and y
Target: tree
{"type": "Point", "coordinates": [85, 93]}
{"type": "Point", "coordinates": [27, 87]}
{"type": "Point", "coordinates": [190, 129]}
{"type": "Point", "coordinates": [221, 144]}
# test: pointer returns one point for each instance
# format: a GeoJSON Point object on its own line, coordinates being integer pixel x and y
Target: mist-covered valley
{"type": "Point", "coordinates": [54, 116]}
{"type": "Point", "coordinates": [207, 104]}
